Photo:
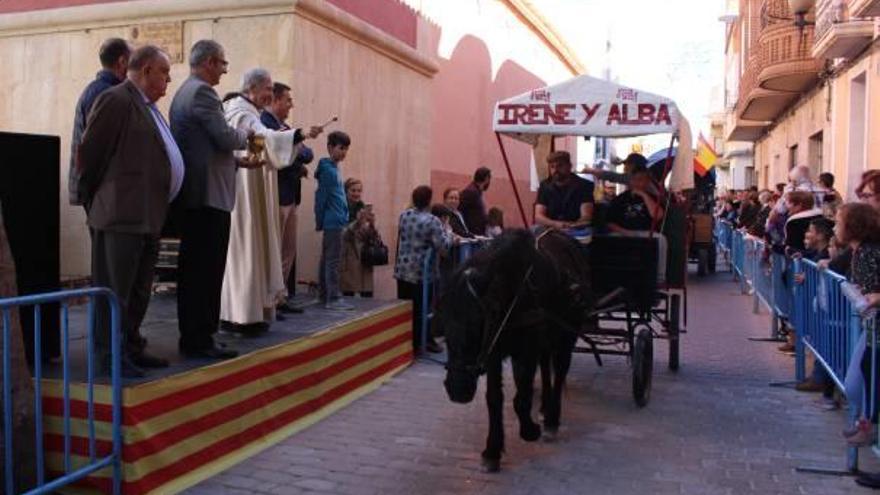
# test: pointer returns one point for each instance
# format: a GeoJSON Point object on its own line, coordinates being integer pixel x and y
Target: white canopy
{"type": "Point", "coordinates": [587, 106]}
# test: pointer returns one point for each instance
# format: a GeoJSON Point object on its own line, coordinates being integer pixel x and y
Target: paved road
{"type": "Point", "coordinates": [713, 428]}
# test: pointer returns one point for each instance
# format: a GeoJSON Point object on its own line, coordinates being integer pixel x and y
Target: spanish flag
{"type": "Point", "coordinates": [705, 157]}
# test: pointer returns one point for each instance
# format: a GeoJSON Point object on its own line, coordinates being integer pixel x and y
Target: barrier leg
{"type": "Point", "coordinates": [852, 457]}
{"type": "Point", "coordinates": [428, 287]}
{"type": "Point", "coordinates": [775, 332]}
{"type": "Point", "coordinates": [423, 315]}
{"type": "Point", "coordinates": [800, 359]}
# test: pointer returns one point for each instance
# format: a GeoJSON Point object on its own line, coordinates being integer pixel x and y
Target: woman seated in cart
{"type": "Point", "coordinates": [565, 201]}
{"type": "Point", "coordinates": [637, 212]}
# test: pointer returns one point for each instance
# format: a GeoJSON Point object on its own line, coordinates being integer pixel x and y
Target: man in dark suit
{"type": "Point", "coordinates": [473, 206]}
{"type": "Point", "coordinates": [130, 170]}
{"type": "Point", "coordinates": [289, 187]}
{"type": "Point", "coordinates": [114, 55]}
{"type": "Point", "coordinates": [206, 200]}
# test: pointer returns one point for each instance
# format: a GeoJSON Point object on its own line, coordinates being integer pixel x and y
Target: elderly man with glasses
{"type": "Point", "coordinates": [206, 200]}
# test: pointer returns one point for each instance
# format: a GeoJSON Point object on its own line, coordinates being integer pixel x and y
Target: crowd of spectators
{"type": "Point", "coordinates": [426, 229]}
{"type": "Point", "coordinates": [810, 220]}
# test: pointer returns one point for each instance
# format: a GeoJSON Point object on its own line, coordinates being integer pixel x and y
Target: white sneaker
{"type": "Point", "coordinates": [339, 305]}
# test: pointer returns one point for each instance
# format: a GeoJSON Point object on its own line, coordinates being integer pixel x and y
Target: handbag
{"type": "Point", "coordinates": [374, 252]}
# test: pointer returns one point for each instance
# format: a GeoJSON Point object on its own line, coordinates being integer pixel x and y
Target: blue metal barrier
{"type": "Point", "coordinates": [724, 240]}
{"type": "Point", "coordinates": [748, 269]}
{"type": "Point", "coordinates": [94, 464]}
{"type": "Point", "coordinates": [761, 277]}
{"type": "Point", "coordinates": [724, 236]}
{"type": "Point", "coordinates": [718, 230]}
{"type": "Point", "coordinates": [782, 284]}
{"type": "Point", "coordinates": [824, 314]}
{"type": "Point", "coordinates": [738, 258]}
{"type": "Point", "coordinates": [828, 325]}
{"type": "Point", "coordinates": [824, 319]}
{"type": "Point", "coordinates": [431, 287]}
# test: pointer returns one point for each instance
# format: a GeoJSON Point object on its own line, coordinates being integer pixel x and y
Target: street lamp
{"type": "Point", "coordinates": [800, 8]}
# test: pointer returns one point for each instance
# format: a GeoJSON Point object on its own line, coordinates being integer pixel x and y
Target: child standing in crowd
{"type": "Point", "coordinates": [331, 217]}
{"type": "Point", "coordinates": [817, 241]}
{"type": "Point", "coordinates": [858, 226]}
{"type": "Point", "coordinates": [495, 223]}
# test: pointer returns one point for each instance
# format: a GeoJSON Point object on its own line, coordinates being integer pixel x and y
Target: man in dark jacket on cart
{"type": "Point", "coordinates": [564, 200]}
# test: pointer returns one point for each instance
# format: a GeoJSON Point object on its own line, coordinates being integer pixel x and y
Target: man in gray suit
{"type": "Point", "coordinates": [206, 199]}
{"type": "Point", "coordinates": [130, 170]}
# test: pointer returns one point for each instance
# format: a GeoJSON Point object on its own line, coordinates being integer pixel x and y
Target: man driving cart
{"type": "Point", "coordinates": [565, 201]}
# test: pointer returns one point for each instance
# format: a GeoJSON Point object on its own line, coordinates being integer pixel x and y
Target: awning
{"type": "Point", "coordinates": [587, 106]}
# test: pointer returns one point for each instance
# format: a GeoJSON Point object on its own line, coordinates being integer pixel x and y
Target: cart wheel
{"type": "Point", "coordinates": [674, 332]}
{"type": "Point", "coordinates": [702, 262]}
{"type": "Point", "coordinates": [713, 257]}
{"type": "Point", "coordinates": [643, 363]}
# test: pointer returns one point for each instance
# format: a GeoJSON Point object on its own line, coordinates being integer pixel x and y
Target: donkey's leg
{"type": "Point", "coordinates": [495, 405]}
{"type": "Point", "coordinates": [524, 367]}
{"type": "Point", "coordinates": [546, 382]}
{"type": "Point", "coordinates": [561, 365]}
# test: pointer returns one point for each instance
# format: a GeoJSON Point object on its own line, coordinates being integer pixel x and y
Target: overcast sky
{"type": "Point", "coordinates": [670, 47]}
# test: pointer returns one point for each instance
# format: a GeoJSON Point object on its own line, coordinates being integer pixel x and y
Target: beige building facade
{"type": "Point", "coordinates": [804, 88]}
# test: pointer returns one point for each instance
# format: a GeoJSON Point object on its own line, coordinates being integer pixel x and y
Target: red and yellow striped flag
{"type": "Point", "coordinates": [705, 157]}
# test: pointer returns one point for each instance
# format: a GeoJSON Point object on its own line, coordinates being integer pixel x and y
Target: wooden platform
{"type": "Point", "coordinates": [198, 417]}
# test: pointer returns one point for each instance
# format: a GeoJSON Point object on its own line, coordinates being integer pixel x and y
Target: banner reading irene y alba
{"type": "Point", "coordinates": [587, 106]}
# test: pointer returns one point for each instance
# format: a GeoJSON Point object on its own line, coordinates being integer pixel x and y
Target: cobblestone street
{"type": "Point", "coordinates": [716, 427]}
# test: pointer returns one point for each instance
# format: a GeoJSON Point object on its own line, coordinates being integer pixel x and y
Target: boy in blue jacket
{"type": "Point", "coordinates": [331, 216]}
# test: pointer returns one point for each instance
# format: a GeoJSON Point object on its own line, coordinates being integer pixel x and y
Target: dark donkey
{"type": "Point", "coordinates": [523, 297]}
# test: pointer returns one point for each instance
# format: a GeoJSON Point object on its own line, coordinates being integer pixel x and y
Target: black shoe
{"type": "Point", "coordinates": [145, 360]}
{"type": "Point", "coordinates": [138, 343]}
{"type": "Point", "coordinates": [869, 480]}
{"type": "Point", "coordinates": [183, 348]}
{"type": "Point", "coordinates": [287, 308]}
{"type": "Point", "coordinates": [245, 329]}
{"type": "Point", "coordinates": [129, 370]}
{"type": "Point", "coordinates": [433, 348]}
{"type": "Point", "coordinates": [212, 352]}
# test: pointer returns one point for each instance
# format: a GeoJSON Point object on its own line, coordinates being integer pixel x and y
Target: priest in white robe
{"type": "Point", "coordinates": [253, 283]}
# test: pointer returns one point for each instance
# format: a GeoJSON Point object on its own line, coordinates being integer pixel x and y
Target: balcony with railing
{"type": "Point", "coordinates": [757, 103]}
{"type": "Point", "coordinates": [864, 8]}
{"type": "Point", "coordinates": [748, 120]}
{"type": "Point", "coordinates": [786, 59]}
{"type": "Point", "coordinates": [780, 68]}
{"type": "Point", "coordinates": [839, 33]}
{"type": "Point", "coordinates": [742, 130]}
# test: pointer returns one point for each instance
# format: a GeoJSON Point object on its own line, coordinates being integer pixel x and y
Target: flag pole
{"type": "Point", "coordinates": [664, 196]}
{"type": "Point", "coordinates": [522, 211]}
